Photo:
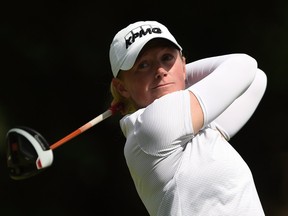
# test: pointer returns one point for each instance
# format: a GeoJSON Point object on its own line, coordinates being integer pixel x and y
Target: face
{"type": "Point", "coordinates": [156, 72]}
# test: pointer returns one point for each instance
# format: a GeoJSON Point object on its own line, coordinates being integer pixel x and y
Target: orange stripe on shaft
{"type": "Point", "coordinates": [66, 138]}
{"type": "Point", "coordinates": [80, 130]}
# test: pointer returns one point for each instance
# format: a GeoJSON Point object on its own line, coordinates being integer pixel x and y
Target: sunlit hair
{"type": "Point", "coordinates": [128, 106]}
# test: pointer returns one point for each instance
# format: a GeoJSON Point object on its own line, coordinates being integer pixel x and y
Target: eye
{"type": "Point", "coordinates": [143, 65]}
{"type": "Point", "coordinates": [167, 57]}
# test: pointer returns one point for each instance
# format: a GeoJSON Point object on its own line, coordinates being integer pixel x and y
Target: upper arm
{"type": "Point", "coordinates": [164, 124]}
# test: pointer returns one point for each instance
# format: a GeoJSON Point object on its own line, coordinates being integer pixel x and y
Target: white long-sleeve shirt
{"type": "Point", "coordinates": [179, 173]}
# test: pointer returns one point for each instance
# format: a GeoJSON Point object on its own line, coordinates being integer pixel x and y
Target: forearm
{"type": "Point", "coordinates": [197, 70]}
{"type": "Point", "coordinates": [230, 79]}
{"type": "Point", "coordinates": [241, 110]}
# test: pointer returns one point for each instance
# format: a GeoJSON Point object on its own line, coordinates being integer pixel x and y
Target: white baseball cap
{"type": "Point", "coordinates": [128, 42]}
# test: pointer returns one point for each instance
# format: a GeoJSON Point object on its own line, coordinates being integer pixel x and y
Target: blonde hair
{"type": "Point", "coordinates": [127, 107]}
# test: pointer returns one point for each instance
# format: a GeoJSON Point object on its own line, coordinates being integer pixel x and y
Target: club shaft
{"type": "Point", "coordinates": [83, 128]}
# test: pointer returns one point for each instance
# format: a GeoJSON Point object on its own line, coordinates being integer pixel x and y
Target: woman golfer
{"type": "Point", "coordinates": [178, 119]}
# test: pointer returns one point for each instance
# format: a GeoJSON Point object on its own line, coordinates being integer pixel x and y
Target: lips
{"type": "Point", "coordinates": [162, 85]}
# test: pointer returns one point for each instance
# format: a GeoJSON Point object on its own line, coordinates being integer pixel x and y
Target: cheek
{"type": "Point", "coordinates": [181, 74]}
{"type": "Point", "coordinates": [184, 70]}
{"type": "Point", "coordinates": [138, 90]}
{"type": "Point", "coordinates": [183, 65]}
{"type": "Point", "coordinates": [139, 93]}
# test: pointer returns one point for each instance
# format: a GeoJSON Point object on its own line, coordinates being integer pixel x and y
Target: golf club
{"type": "Point", "coordinates": [28, 152]}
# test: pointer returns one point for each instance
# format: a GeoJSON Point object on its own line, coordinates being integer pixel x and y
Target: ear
{"type": "Point", "coordinates": [120, 87]}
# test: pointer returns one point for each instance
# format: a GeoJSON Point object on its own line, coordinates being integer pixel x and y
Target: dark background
{"type": "Point", "coordinates": [55, 76]}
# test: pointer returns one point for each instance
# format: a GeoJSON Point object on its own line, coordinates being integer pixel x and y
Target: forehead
{"type": "Point", "coordinates": [157, 43]}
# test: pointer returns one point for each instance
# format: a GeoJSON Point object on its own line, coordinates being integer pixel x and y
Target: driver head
{"type": "Point", "coordinates": [28, 153]}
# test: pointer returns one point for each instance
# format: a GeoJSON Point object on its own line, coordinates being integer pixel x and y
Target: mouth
{"type": "Point", "coordinates": [163, 85]}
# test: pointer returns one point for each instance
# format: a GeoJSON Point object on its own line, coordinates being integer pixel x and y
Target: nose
{"type": "Point", "coordinates": [160, 72]}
